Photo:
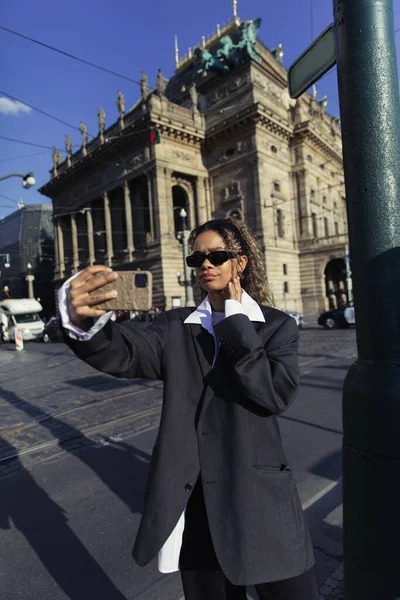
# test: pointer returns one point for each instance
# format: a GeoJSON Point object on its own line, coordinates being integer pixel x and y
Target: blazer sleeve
{"type": "Point", "coordinates": [123, 350]}
{"type": "Point", "coordinates": [265, 374]}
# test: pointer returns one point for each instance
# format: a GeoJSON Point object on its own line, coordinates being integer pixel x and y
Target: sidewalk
{"type": "Point", "coordinates": [332, 589]}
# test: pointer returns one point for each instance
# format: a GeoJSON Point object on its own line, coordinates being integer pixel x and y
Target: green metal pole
{"type": "Point", "coordinates": [370, 116]}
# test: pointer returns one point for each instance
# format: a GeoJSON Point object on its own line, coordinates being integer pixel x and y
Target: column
{"type": "Point", "coordinates": [107, 219]}
{"type": "Point", "coordinates": [162, 188]}
{"type": "Point", "coordinates": [150, 199]}
{"type": "Point", "coordinates": [128, 220]}
{"type": "Point", "coordinates": [60, 240]}
{"type": "Point", "coordinates": [89, 222]}
{"type": "Point", "coordinates": [56, 253]}
{"type": "Point", "coordinates": [201, 200]}
{"type": "Point", "coordinates": [75, 251]}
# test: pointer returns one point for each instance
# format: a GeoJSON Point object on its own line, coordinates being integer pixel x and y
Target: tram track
{"type": "Point", "coordinates": [23, 425]}
{"type": "Point", "coordinates": [83, 432]}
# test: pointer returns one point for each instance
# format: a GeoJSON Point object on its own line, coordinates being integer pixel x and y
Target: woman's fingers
{"type": "Point", "coordinates": [89, 272]}
{"type": "Point", "coordinates": [85, 285]}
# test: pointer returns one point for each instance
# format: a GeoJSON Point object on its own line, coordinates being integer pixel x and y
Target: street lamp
{"type": "Point", "coordinates": [30, 279]}
{"type": "Point", "coordinates": [7, 263]}
{"type": "Point", "coordinates": [183, 237]}
{"type": "Point", "coordinates": [28, 180]}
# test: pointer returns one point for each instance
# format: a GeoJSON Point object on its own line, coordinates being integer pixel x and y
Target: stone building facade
{"type": "Point", "coordinates": [232, 142]}
{"type": "Point", "coordinates": [26, 238]}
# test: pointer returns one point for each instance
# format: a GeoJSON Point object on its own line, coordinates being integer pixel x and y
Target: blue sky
{"type": "Point", "coordinates": [129, 38]}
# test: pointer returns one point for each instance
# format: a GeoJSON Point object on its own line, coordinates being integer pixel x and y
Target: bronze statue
{"type": "Point", "coordinates": [121, 104]}
{"type": "Point", "coordinates": [144, 86]}
{"type": "Point", "coordinates": [84, 133]}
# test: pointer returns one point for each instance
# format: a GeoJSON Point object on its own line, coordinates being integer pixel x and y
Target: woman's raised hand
{"type": "Point", "coordinates": [82, 304]}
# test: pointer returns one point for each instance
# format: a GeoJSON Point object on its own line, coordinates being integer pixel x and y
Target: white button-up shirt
{"type": "Point", "coordinates": [168, 557]}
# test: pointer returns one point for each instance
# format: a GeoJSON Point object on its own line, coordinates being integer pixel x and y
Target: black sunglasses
{"type": "Point", "coordinates": [219, 257]}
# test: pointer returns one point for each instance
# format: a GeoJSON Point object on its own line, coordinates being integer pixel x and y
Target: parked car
{"type": "Point", "coordinates": [297, 317]}
{"type": "Point", "coordinates": [339, 317]}
{"type": "Point", "coordinates": [52, 331]}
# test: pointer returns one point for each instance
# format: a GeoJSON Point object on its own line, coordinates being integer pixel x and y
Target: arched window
{"type": "Point", "coordinates": [180, 200]}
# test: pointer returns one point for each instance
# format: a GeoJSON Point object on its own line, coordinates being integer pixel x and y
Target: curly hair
{"type": "Point", "coordinates": [240, 239]}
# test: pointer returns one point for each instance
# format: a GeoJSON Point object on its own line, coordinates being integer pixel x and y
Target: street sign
{"type": "Point", "coordinates": [315, 61]}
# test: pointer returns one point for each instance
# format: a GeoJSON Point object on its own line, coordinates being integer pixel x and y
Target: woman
{"type": "Point", "coordinates": [221, 502]}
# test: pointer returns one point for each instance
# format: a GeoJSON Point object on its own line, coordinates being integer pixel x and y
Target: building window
{"type": "Point", "coordinates": [326, 227]}
{"type": "Point", "coordinates": [335, 205]}
{"type": "Point", "coordinates": [336, 228]}
{"type": "Point", "coordinates": [285, 287]}
{"type": "Point", "coordinates": [312, 194]}
{"type": "Point", "coordinates": [324, 199]}
{"type": "Point", "coordinates": [314, 225]}
{"type": "Point", "coordinates": [309, 158]}
{"type": "Point", "coordinates": [322, 166]}
{"type": "Point", "coordinates": [279, 222]}
{"type": "Point", "coordinates": [230, 152]}
{"type": "Point", "coordinates": [274, 149]}
{"type": "Point", "coordinates": [333, 174]}
{"type": "Point", "coordinates": [285, 269]}
{"type": "Point", "coordinates": [277, 186]}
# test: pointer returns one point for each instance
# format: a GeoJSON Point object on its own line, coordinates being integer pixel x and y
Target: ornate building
{"type": "Point", "coordinates": [232, 142]}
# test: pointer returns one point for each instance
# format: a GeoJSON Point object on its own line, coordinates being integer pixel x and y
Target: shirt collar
{"type": "Point", "coordinates": [203, 314]}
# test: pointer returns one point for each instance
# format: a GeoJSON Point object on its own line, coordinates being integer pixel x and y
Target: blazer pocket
{"type": "Point", "coordinates": [272, 468]}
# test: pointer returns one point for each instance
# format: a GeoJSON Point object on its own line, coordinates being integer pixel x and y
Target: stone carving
{"type": "Point", "coordinates": [121, 104]}
{"type": "Point", "coordinates": [160, 83]}
{"type": "Point", "coordinates": [144, 86]}
{"type": "Point", "coordinates": [229, 152]}
{"type": "Point", "coordinates": [194, 97]}
{"type": "Point", "coordinates": [278, 53]}
{"type": "Point", "coordinates": [57, 159]}
{"type": "Point", "coordinates": [83, 130]}
{"type": "Point", "coordinates": [232, 191]}
{"type": "Point", "coordinates": [136, 159]}
{"type": "Point", "coordinates": [186, 156]}
{"type": "Point", "coordinates": [225, 90]}
{"type": "Point", "coordinates": [101, 121]}
{"type": "Point", "coordinates": [68, 149]}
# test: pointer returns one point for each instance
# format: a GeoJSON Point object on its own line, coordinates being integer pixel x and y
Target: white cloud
{"type": "Point", "coordinates": [13, 107]}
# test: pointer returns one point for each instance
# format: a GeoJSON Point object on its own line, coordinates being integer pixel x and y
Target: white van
{"type": "Point", "coordinates": [22, 313]}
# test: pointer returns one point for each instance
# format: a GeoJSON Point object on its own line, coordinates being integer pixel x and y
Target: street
{"type": "Point", "coordinates": [75, 447]}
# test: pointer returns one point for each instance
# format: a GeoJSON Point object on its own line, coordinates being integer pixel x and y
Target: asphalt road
{"type": "Point", "coordinates": [75, 447]}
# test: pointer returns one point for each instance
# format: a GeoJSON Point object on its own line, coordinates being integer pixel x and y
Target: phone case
{"type": "Point", "coordinates": [134, 291]}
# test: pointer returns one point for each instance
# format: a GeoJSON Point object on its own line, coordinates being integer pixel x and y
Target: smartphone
{"type": "Point", "coordinates": [134, 291]}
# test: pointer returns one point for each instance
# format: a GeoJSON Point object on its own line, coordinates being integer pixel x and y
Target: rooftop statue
{"type": "Point", "coordinates": [208, 62]}
{"type": "Point", "coordinates": [229, 54]}
{"type": "Point", "coordinates": [248, 36]}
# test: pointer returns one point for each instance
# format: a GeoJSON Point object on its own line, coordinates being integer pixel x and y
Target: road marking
{"type": "Point", "coordinates": [321, 493]}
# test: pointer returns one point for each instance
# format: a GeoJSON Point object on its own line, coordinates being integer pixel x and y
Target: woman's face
{"type": "Point", "coordinates": [215, 278]}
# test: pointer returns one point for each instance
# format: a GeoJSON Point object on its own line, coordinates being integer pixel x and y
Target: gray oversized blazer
{"type": "Point", "coordinates": [221, 422]}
